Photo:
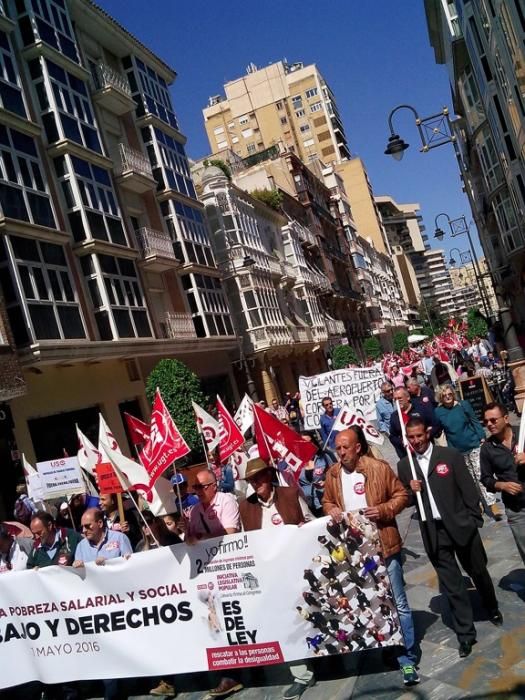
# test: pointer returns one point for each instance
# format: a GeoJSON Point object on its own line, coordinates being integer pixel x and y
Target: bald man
{"type": "Point", "coordinates": [361, 482]}
{"type": "Point", "coordinates": [215, 515]}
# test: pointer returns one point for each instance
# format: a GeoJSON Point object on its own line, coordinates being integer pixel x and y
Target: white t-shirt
{"type": "Point", "coordinates": [272, 518]}
{"type": "Point", "coordinates": [15, 560]}
{"type": "Point", "coordinates": [353, 485]}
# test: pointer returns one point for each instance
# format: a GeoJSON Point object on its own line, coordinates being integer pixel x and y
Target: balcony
{"type": "Point", "coordinates": [288, 275]}
{"type": "Point", "coordinates": [335, 327]}
{"type": "Point", "coordinates": [112, 91]}
{"type": "Point", "coordinates": [320, 334]}
{"type": "Point", "coordinates": [275, 268]}
{"type": "Point", "coordinates": [305, 235]}
{"type": "Point", "coordinates": [133, 170]}
{"type": "Point", "coordinates": [157, 250]}
{"type": "Point", "coordinates": [178, 326]}
{"type": "Point", "coordinates": [270, 337]}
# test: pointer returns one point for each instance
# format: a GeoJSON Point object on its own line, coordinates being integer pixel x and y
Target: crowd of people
{"type": "Point", "coordinates": [461, 465]}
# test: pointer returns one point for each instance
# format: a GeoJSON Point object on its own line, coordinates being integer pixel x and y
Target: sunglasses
{"type": "Point", "coordinates": [202, 487]}
{"type": "Point", "coordinates": [89, 526]}
{"type": "Point", "coordinates": [493, 420]}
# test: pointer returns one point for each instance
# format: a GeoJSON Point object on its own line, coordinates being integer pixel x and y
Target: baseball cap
{"type": "Point", "coordinates": [177, 478]}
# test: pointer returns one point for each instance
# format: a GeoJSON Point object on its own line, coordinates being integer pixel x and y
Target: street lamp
{"type": "Point", "coordinates": [465, 257]}
{"type": "Point", "coordinates": [433, 131]}
{"type": "Point", "coordinates": [457, 228]}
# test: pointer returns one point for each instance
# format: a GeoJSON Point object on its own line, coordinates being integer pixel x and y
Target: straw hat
{"type": "Point", "coordinates": [254, 466]}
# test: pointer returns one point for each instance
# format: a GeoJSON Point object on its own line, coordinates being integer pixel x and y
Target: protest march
{"type": "Point", "coordinates": [122, 568]}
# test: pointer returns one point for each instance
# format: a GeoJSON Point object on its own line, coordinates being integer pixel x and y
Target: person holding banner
{"type": "Point", "coordinates": [51, 545]}
{"type": "Point", "coordinates": [361, 482]}
{"type": "Point", "coordinates": [99, 542]}
{"type": "Point", "coordinates": [449, 528]}
{"type": "Point", "coordinates": [411, 409]}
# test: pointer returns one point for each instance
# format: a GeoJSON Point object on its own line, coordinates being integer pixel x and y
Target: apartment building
{"type": "Point", "coordinates": [106, 263]}
{"type": "Point", "coordinates": [482, 45]}
{"type": "Point", "coordinates": [271, 287]}
{"type": "Point", "coordinates": [435, 283]}
{"type": "Point", "coordinates": [283, 102]}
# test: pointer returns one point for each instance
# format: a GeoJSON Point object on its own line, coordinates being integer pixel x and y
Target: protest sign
{"type": "Point", "coordinates": [107, 480]}
{"type": "Point", "coordinates": [61, 477]}
{"type": "Point", "coordinates": [347, 418]}
{"type": "Point", "coordinates": [35, 488]}
{"type": "Point", "coordinates": [355, 388]}
{"type": "Point", "coordinates": [217, 605]}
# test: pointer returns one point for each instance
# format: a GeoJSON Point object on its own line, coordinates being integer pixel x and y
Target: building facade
{"type": "Point", "coordinates": [106, 262]}
{"type": "Point", "coordinates": [482, 45]}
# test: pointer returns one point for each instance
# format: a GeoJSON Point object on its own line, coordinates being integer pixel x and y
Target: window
{"type": "Point", "coordinates": [23, 192]}
{"type": "Point", "coordinates": [115, 291]}
{"type": "Point", "coordinates": [10, 89]}
{"type": "Point", "coordinates": [284, 120]}
{"type": "Point", "coordinates": [309, 142]}
{"type": "Point", "coordinates": [507, 221]}
{"type": "Point", "coordinates": [316, 106]}
{"type": "Point", "coordinates": [49, 301]}
{"type": "Point", "coordinates": [235, 139]}
{"type": "Point", "coordinates": [50, 23]}
{"type": "Point", "coordinates": [312, 92]}
{"type": "Point", "coordinates": [218, 130]}
{"type": "Point", "coordinates": [297, 102]}
{"type": "Point", "coordinates": [169, 162]}
{"type": "Point", "coordinates": [222, 144]}
{"type": "Point", "coordinates": [208, 306]}
{"type": "Point", "coordinates": [64, 100]}
{"type": "Point", "coordinates": [261, 304]}
{"type": "Point", "coordinates": [90, 198]}
{"type": "Point", "coordinates": [150, 91]}
{"type": "Point", "coordinates": [251, 148]}
{"type": "Point", "coordinates": [247, 133]}
{"type": "Point", "coordinates": [300, 113]}
{"type": "Point", "coordinates": [304, 127]}
{"type": "Point", "coordinates": [188, 232]}
{"type": "Point", "coordinates": [243, 120]}
{"type": "Point", "coordinates": [279, 106]}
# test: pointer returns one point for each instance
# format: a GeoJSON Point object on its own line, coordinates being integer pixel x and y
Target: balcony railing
{"type": "Point", "coordinates": [179, 325]}
{"type": "Point", "coordinates": [270, 337]}
{"type": "Point", "coordinates": [132, 161]}
{"type": "Point", "coordinates": [154, 242]}
{"type": "Point", "coordinates": [107, 77]}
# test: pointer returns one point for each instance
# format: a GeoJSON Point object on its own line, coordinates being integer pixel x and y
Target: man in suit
{"type": "Point", "coordinates": [451, 506]}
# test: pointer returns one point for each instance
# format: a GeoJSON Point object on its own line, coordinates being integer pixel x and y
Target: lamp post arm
{"type": "Point", "coordinates": [441, 214]}
{"type": "Point", "coordinates": [416, 115]}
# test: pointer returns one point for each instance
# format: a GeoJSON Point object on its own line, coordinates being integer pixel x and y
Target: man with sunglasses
{"type": "Point", "coordinates": [503, 469]}
{"type": "Point", "coordinates": [100, 543]}
{"type": "Point", "coordinates": [327, 421]}
{"type": "Point", "coordinates": [215, 515]}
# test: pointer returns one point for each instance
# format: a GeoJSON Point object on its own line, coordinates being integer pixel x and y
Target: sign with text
{"type": "Point", "coordinates": [61, 477]}
{"type": "Point", "coordinates": [355, 388]}
{"type": "Point", "coordinates": [476, 392]}
{"type": "Point", "coordinates": [220, 600]}
{"type": "Point", "coordinates": [107, 480]}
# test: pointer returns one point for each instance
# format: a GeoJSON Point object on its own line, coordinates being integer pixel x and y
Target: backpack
{"type": "Point", "coordinates": [23, 510]}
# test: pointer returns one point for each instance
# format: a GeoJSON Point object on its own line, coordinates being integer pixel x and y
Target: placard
{"type": "Point", "coordinates": [107, 481]}
{"type": "Point", "coordinates": [476, 392]}
{"type": "Point", "coordinates": [61, 477]}
{"type": "Point", "coordinates": [355, 388]}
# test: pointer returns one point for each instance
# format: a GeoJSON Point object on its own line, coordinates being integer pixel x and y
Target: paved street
{"type": "Point", "coordinates": [496, 668]}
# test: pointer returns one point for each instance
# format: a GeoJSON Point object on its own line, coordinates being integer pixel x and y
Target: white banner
{"type": "Point", "coordinates": [356, 388]}
{"type": "Point", "coordinates": [347, 418]}
{"type": "Point", "coordinates": [61, 477]}
{"type": "Point", "coordinates": [217, 605]}
{"type": "Point", "coordinates": [244, 414]}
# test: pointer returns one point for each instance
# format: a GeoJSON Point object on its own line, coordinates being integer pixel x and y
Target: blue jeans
{"type": "Point", "coordinates": [395, 573]}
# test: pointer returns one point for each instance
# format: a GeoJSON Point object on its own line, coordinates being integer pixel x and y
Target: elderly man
{"type": "Point", "coordinates": [451, 506]}
{"type": "Point", "coordinates": [420, 392]}
{"type": "Point", "coordinates": [52, 545]}
{"type": "Point", "coordinates": [100, 543]}
{"type": "Point", "coordinates": [411, 409]}
{"type": "Point", "coordinates": [361, 482]}
{"type": "Point", "coordinates": [385, 407]}
{"type": "Point", "coordinates": [216, 515]}
{"type": "Point", "coordinates": [278, 411]}
{"type": "Point", "coordinates": [274, 506]}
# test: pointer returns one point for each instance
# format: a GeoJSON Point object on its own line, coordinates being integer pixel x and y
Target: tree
{"type": "Point", "coordinates": [179, 386]}
{"type": "Point", "coordinates": [400, 342]}
{"type": "Point", "coordinates": [476, 325]}
{"type": "Point", "coordinates": [372, 348]}
{"type": "Point", "coordinates": [343, 355]}
{"type": "Point", "coordinates": [432, 321]}
{"type": "Point", "coordinates": [272, 198]}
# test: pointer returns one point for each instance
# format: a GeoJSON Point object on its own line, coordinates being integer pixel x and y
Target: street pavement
{"type": "Point", "coordinates": [495, 669]}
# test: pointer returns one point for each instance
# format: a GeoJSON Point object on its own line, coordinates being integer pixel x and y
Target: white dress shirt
{"type": "Point", "coordinates": [424, 464]}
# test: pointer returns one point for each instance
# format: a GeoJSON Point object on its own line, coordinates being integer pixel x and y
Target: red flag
{"type": "Point", "coordinates": [276, 440]}
{"type": "Point", "coordinates": [138, 430]}
{"type": "Point", "coordinates": [230, 438]}
{"type": "Point", "coordinates": [164, 444]}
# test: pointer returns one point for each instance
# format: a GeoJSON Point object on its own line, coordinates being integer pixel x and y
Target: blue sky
{"type": "Point", "coordinates": [375, 55]}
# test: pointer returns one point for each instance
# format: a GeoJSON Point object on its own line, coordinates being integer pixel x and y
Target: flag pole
{"type": "Point", "coordinates": [122, 517]}
{"type": "Point", "coordinates": [410, 456]}
{"type": "Point", "coordinates": [280, 478]}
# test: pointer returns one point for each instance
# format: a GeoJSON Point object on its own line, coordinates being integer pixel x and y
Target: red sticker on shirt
{"type": "Point", "coordinates": [359, 488]}
{"type": "Point", "coordinates": [276, 519]}
{"type": "Point", "coordinates": [442, 469]}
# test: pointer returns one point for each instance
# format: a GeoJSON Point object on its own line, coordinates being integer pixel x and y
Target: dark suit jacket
{"type": "Point", "coordinates": [454, 492]}
{"type": "Point", "coordinates": [420, 409]}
